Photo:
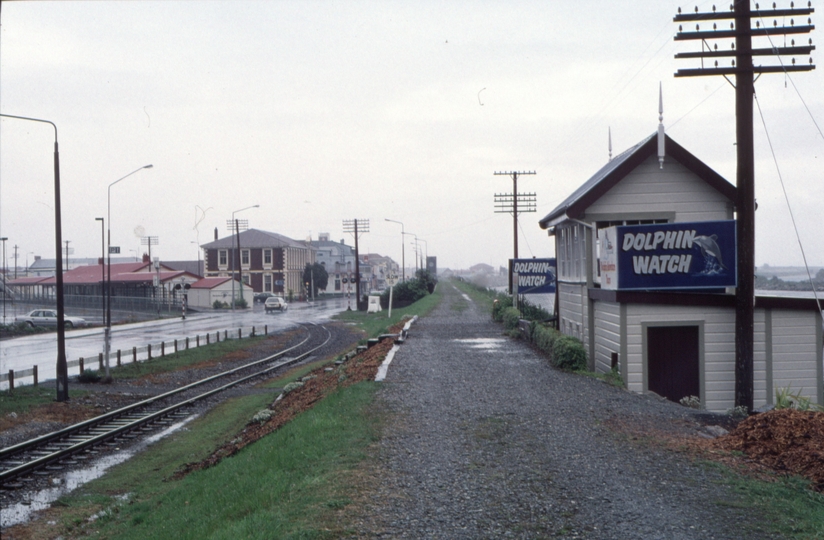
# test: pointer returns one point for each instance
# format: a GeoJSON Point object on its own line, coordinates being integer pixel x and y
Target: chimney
{"type": "Point", "coordinates": [100, 260]}
{"type": "Point", "coordinates": [146, 258]}
{"type": "Point", "coordinates": [215, 233]}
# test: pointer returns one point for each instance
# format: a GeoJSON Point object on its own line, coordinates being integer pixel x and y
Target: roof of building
{"type": "Point", "coordinates": [619, 167]}
{"type": "Point", "coordinates": [255, 238]}
{"type": "Point", "coordinates": [210, 282]}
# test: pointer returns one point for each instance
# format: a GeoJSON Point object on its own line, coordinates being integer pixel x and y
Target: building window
{"type": "Point", "coordinates": [267, 258]}
{"type": "Point", "coordinates": [244, 257]}
{"type": "Point", "coordinates": [337, 284]}
{"type": "Point", "coordinates": [267, 282]}
{"type": "Point", "coordinates": [246, 279]}
{"type": "Point", "coordinates": [222, 258]}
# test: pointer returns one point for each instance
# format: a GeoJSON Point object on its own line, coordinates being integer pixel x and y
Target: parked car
{"type": "Point", "coordinates": [48, 317]}
{"type": "Point", "coordinates": [275, 303]}
{"type": "Point", "coordinates": [263, 296]}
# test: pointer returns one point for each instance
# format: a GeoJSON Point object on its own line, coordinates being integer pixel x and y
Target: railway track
{"type": "Point", "coordinates": [63, 448]}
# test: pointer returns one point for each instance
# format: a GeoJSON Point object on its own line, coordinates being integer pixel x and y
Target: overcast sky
{"type": "Point", "coordinates": [327, 111]}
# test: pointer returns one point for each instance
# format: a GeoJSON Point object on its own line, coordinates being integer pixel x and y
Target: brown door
{"type": "Point", "coordinates": [672, 361]}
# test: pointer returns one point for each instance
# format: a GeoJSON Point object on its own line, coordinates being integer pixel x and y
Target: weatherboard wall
{"type": "Point", "coordinates": [649, 189]}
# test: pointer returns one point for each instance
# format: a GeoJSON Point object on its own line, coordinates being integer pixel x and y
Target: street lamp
{"type": "Point", "coordinates": [62, 368]}
{"type": "Point", "coordinates": [5, 280]}
{"type": "Point", "coordinates": [403, 250]}
{"type": "Point", "coordinates": [235, 231]}
{"type": "Point", "coordinates": [199, 270]}
{"type": "Point", "coordinates": [102, 265]}
{"type": "Point", "coordinates": [108, 331]}
{"type": "Point", "coordinates": [426, 256]}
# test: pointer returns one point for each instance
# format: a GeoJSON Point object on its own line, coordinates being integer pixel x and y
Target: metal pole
{"type": "Point", "coordinates": [236, 231]}
{"type": "Point", "coordinates": [5, 279]}
{"type": "Point", "coordinates": [102, 268]}
{"type": "Point", "coordinates": [62, 369]}
{"type": "Point", "coordinates": [403, 250]}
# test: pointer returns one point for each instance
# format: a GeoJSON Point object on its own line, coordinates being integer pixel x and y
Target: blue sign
{"type": "Point", "coordinates": [698, 255]}
{"type": "Point", "coordinates": [534, 276]}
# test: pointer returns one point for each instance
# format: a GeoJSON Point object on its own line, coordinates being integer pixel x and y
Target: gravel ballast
{"type": "Point", "coordinates": [484, 439]}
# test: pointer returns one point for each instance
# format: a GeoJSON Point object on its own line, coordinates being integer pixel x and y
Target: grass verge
{"type": "Point", "coordinates": [375, 324]}
{"type": "Point", "coordinates": [25, 398]}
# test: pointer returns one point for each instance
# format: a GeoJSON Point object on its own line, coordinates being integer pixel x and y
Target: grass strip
{"type": "Point", "coordinates": [375, 324]}
{"type": "Point", "coordinates": [25, 398]}
{"type": "Point", "coordinates": [290, 484]}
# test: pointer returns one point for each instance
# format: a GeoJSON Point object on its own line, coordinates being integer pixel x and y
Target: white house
{"type": "Point", "coordinates": [674, 343]}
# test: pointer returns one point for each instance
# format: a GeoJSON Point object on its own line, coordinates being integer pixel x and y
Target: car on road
{"type": "Point", "coordinates": [48, 317]}
{"type": "Point", "coordinates": [275, 303]}
{"type": "Point", "coordinates": [263, 296]}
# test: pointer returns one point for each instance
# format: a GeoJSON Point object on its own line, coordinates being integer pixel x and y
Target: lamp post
{"type": "Point", "coordinates": [425, 254]}
{"type": "Point", "coordinates": [235, 232]}
{"type": "Point", "coordinates": [199, 270]}
{"type": "Point", "coordinates": [102, 266]}
{"type": "Point", "coordinates": [5, 290]}
{"type": "Point", "coordinates": [62, 368]}
{"type": "Point", "coordinates": [403, 250]}
{"type": "Point", "coordinates": [108, 331]}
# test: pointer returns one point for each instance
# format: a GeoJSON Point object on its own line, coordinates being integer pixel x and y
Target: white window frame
{"type": "Point", "coordinates": [267, 254]}
{"type": "Point", "coordinates": [222, 259]}
{"type": "Point", "coordinates": [245, 258]}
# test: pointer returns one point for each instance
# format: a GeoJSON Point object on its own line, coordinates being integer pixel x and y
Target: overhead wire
{"type": "Point", "coordinates": [787, 199]}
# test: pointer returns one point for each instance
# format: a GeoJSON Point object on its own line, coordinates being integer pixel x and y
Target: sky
{"type": "Point", "coordinates": [325, 111]}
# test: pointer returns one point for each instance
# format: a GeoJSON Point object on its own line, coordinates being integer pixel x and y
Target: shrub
{"type": "Point", "coordinates": [569, 353]}
{"type": "Point", "coordinates": [544, 337]}
{"type": "Point", "coordinates": [500, 303]}
{"type": "Point", "coordinates": [510, 317]}
{"type": "Point", "coordinates": [89, 376]}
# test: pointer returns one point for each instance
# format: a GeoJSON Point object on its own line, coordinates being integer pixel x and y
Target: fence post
{"type": "Point", "coordinates": [197, 340]}
{"type": "Point", "coordinates": [265, 329]}
{"type": "Point", "coordinates": [239, 333]}
{"type": "Point", "coordinates": [100, 361]}
{"type": "Point", "coordinates": [134, 354]}
{"type": "Point", "coordinates": [207, 338]}
{"type": "Point", "coordinates": [162, 348]}
{"type": "Point", "coordinates": [118, 357]}
{"type": "Point", "coordinates": [225, 335]}
{"type": "Point", "coordinates": [253, 331]}
{"type": "Point", "coordinates": [11, 380]}
{"type": "Point", "coordinates": [150, 351]}
{"type": "Point", "coordinates": [175, 344]}
{"type": "Point", "coordinates": [34, 373]}
{"type": "Point", "coordinates": [187, 344]}
{"type": "Point", "coordinates": [81, 365]}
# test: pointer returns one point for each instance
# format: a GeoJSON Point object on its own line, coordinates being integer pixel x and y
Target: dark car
{"type": "Point", "coordinates": [261, 297]}
{"type": "Point", "coordinates": [48, 317]}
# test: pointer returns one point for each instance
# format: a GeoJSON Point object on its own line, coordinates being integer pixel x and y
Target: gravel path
{"type": "Point", "coordinates": [486, 440]}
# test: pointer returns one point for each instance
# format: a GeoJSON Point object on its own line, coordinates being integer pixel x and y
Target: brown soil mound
{"type": "Point", "coordinates": [784, 440]}
{"type": "Point", "coordinates": [317, 385]}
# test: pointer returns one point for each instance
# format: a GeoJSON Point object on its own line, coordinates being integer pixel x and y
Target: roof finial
{"type": "Point", "coordinates": [610, 142]}
{"type": "Point", "coordinates": [660, 126]}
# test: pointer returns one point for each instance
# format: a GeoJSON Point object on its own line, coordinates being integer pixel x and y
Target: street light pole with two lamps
{"type": "Point", "coordinates": [403, 249]}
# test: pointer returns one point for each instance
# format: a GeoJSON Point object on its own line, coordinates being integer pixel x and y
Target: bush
{"type": "Point", "coordinates": [544, 337]}
{"type": "Point", "coordinates": [410, 291]}
{"type": "Point", "coordinates": [89, 376]}
{"type": "Point", "coordinates": [568, 353]}
{"type": "Point", "coordinates": [510, 317]}
{"type": "Point", "coordinates": [500, 303]}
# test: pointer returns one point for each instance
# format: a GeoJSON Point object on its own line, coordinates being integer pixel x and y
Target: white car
{"type": "Point", "coordinates": [48, 317]}
{"type": "Point", "coordinates": [275, 303]}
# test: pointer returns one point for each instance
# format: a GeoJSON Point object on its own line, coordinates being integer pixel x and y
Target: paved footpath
{"type": "Point", "coordinates": [486, 440]}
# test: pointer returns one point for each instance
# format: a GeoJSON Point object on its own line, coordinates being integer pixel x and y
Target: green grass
{"type": "Point", "coordinates": [181, 359]}
{"type": "Point", "coordinates": [481, 297]}
{"type": "Point", "coordinates": [289, 484]}
{"type": "Point", "coordinates": [788, 504]}
{"type": "Point", "coordinates": [375, 324]}
{"type": "Point", "coordinates": [24, 398]}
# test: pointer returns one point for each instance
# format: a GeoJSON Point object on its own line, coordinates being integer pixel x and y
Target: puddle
{"type": "Point", "coordinates": [71, 480]}
{"type": "Point", "coordinates": [483, 343]}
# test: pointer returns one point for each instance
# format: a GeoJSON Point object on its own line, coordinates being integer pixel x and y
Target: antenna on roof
{"type": "Point", "coordinates": [660, 126]}
{"type": "Point", "coordinates": [609, 131]}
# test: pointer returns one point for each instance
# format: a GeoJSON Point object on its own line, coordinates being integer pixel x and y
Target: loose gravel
{"type": "Point", "coordinates": [485, 440]}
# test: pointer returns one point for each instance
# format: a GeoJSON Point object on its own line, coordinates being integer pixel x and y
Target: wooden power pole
{"type": "Point", "coordinates": [506, 203]}
{"type": "Point", "coordinates": [741, 54]}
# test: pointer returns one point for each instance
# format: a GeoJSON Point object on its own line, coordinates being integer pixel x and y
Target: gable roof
{"type": "Point", "coordinates": [210, 282]}
{"type": "Point", "coordinates": [255, 238]}
{"type": "Point", "coordinates": [574, 206]}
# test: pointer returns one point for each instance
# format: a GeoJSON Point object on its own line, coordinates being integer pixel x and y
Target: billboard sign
{"type": "Point", "coordinates": [532, 276]}
{"type": "Point", "coordinates": [699, 255]}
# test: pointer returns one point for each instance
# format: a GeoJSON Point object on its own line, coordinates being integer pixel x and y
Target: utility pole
{"type": "Point", "coordinates": [15, 261]}
{"type": "Point", "coordinates": [506, 203]}
{"type": "Point", "coordinates": [742, 53]}
{"type": "Point", "coordinates": [351, 226]}
{"type": "Point", "coordinates": [69, 251]}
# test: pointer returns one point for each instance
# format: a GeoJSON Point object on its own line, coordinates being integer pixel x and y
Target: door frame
{"type": "Point", "coordinates": [701, 371]}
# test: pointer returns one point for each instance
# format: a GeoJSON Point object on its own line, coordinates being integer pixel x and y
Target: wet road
{"type": "Point", "coordinates": [41, 350]}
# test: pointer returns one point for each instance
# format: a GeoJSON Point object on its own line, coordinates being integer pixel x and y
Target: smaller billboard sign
{"type": "Point", "coordinates": [532, 276]}
{"type": "Point", "coordinates": [699, 255]}
{"type": "Point", "coordinates": [114, 250]}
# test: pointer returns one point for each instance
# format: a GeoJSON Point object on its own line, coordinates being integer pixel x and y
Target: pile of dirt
{"type": "Point", "coordinates": [786, 440]}
{"type": "Point", "coordinates": [315, 386]}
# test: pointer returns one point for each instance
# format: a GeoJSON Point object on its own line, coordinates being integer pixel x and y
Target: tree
{"type": "Point", "coordinates": [315, 273]}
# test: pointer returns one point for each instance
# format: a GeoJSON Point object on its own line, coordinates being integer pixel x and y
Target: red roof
{"type": "Point", "coordinates": [31, 280]}
{"type": "Point", "coordinates": [210, 282]}
{"type": "Point", "coordinates": [121, 273]}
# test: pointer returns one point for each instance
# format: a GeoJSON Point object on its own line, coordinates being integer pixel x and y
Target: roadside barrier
{"type": "Point", "coordinates": [9, 380]}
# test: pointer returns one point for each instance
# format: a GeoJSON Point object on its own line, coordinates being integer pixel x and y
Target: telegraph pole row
{"type": "Point", "coordinates": [741, 66]}
{"type": "Point", "coordinates": [506, 203]}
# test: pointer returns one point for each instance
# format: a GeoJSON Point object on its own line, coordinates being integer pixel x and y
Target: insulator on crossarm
{"type": "Point", "coordinates": [716, 63]}
{"type": "Point", "coordinates": [756, 5]}
{"type": "Point", "coordinates": [713, 8]}
{"type": "Point", "coordinates": [714, 27]}
{"type": "Point", "coordinates": [696, 9]}
{"type": "Point", "coordinates": [716, 46]}
{"type": "Point", "coordinates": [697, 27]}
{"type": "Point", "coordinates": [733, 62]}
{"type": "Point", "coordinates": [773, 5]}
{"type": "Point", "coordinates": [679, 10]}
{"type": "Point", "coordinates": [680, 28]}
{"type": "Point", "coordinates": [793, 61]}
{"type": "Point", "coordinates": [758, 24]}
{"type": "Point", "coordinates": [792, 42]}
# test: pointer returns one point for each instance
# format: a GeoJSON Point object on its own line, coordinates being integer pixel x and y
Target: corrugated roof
{"type": "Point", "coordinates": [613, 172]}
{"type": "Point", "coordinates": [210, 282]}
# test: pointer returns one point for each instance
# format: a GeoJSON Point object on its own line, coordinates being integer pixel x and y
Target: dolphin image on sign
{"type": "Point", "coordinates": [709, 246]}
